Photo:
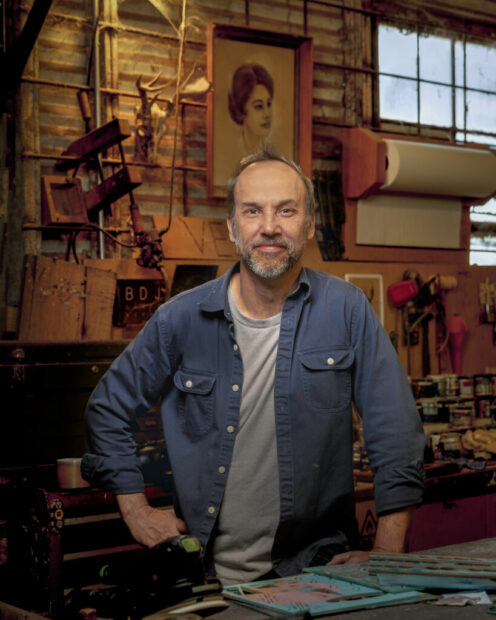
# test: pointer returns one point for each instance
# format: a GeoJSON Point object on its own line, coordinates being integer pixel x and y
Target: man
{"type": "Point", "coordinates": [256, 372]}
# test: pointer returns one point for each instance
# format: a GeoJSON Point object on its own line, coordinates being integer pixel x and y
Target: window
{"type": "Point", "coordinates": [443, 82]}
{"type": "Point", "coordinates": [483, 237]}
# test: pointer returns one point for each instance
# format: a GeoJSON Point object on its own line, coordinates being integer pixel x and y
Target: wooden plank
{"type": "Point", "coordinates": [99, 303]}
{"type": "Point", "coordinates": [27, 296]}
{"type": "Point", "coordinates": [62, 201]}
{"type": "Point", "coordinates": [96, 141]}
{"type": "Point", "coordinates": [54, 310]}
{"type": "Point", "coordinates": [111, 189]}
{"type": "Point", "coordinates": [195, 238]}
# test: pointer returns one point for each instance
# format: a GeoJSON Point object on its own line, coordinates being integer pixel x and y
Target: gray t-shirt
{"type": "Point", "coordinates": [249, 513]}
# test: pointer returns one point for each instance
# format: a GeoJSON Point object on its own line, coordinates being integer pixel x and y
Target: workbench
{"type": "Point", "coordinates": [484, 548]}
{"type": "Point", "coordinates": [459, 506]}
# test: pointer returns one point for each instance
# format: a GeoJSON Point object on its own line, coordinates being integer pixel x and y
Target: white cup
{"type": "Point", "coordinates": [69, 474]}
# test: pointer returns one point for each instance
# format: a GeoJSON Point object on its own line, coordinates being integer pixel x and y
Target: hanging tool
{"type": "Point", "coordinates": [420, 303]}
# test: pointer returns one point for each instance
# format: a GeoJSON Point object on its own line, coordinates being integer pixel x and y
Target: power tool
{"type": "Point", "coordinates": [168, 576]}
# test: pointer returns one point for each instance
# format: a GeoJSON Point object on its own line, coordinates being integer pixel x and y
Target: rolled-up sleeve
{"type": "Point", "coordinates": [393, 430]}
{"type": "Point", "coordinates": [131, 386]}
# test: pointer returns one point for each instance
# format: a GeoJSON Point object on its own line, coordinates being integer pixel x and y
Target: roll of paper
{"type": "Point", "coordinates": [417, 167]}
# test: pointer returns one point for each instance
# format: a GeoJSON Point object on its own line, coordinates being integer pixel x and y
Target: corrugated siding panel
{"type": "Point", "coordinates": [145, 46]}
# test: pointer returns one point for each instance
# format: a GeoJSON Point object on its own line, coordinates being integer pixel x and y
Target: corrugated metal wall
{"type": "Point", "coordinates": [145, 44]}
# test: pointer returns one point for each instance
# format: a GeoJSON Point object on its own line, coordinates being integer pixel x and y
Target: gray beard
{"type": "Point", "coordinates": [268, 270]}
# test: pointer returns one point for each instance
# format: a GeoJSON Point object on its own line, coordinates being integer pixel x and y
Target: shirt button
{"type": "Point", "coordinates": [235, 347]}
{"type": "Point", "coordinates": [230, 429]}
{"type": "Point", "coordinates": [211, 510]}
{"type": "Point", "coordinates": [235, 387]}
{"type": "Point", "coordinates": [222, 469]}
{"type": "Point", "coordinates": [189, 383]}
{"type": "Point", "coordinates": [330, 361]}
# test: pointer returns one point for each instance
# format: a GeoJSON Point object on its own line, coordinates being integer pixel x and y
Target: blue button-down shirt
{"type": "Point", "coordinates": [332, 351]}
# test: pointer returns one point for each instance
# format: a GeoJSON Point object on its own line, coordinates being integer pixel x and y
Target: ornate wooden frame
{"type": "Point", "coordinates": [303, 52]}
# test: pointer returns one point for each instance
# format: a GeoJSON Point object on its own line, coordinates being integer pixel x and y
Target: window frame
{"type": "Point", "coordinates": [423, 129]}
{"type": "Point", "coordinates": [452, 133]}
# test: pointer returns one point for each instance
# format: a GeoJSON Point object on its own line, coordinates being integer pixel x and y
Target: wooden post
{"type": "Point", "coordinates": [23, 201]}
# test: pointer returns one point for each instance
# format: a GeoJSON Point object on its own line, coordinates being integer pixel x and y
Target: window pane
{"type": "Point", "coordinates": [481, 112]}
{"type": "Point", "coordinates": [397, 52]}
{"type": "Point", "coordinates": [459, 108]}
{"type": "Point", "coordinates": [435, 105]}
{"type": "Point", "coordinates": [435, 59]}
{"type": "Point", "coordinates": [485, 212]}
{"type": "Point", "coordinates": [481, 66]}
{"type": "Point", "coordinates": [474, 137]}
{"type": "Point", "coordinates": [482, 258]}
{"type": "Point", "coordinates": [459, 60]}
{"type": "Point", "coordinates": [398, 99]}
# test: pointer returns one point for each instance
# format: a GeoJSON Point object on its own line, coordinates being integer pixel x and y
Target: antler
{"type": "Point", "coordinates": [150, 87]}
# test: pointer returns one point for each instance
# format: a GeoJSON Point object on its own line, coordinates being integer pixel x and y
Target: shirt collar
{"type": "Point", "coordinates": [215, 301]}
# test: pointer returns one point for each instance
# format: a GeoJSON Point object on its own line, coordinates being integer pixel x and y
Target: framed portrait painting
{"type": "Point", "coordinates": [371, 285]}
{"type": "Point", "coordinates": [262, 94]}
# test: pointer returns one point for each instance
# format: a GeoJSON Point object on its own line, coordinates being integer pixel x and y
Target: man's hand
{"type": "Point", "coordinates": [350, 557]}
{"type": "Point", "coordinates": [148, 525]}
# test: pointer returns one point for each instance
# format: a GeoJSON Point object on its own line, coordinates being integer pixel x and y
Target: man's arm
{"type": "Point", "coordinates": [390, 537]}
{"type": "Point", "coordinates": [148, 525]}
{"type": "Point", "coordinates": [393, 431]}
{"type": "Point", "coordinates": [133, 384]}
{"type": "Point", "coordinates": [392, 529]}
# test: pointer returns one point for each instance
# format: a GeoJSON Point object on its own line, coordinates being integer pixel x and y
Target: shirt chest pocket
{"type": "Point", "coordinates": [195, 400]}
{"type": "Point", "coordinates": [326, 375]}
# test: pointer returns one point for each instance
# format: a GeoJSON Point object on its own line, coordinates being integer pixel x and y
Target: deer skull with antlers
{"type": "Point", "coordinates": [151, 118]}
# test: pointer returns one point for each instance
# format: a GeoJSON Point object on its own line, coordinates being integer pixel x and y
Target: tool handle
{"type": "Point", "coordinates": [84, 106]}
{"type": "Point", "coordinates": [136, 219]}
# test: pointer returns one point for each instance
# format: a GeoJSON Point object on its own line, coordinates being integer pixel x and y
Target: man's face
{"type": "Point", "coordinates": [270, 226]}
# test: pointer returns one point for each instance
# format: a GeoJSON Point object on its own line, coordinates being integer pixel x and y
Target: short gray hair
{"type": "Point", "coordinates": [267, 153]}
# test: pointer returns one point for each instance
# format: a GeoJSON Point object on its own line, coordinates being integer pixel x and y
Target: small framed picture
{"type": "Point", "coordinates": [262, 94]}
{"type": "Point", "coordinates": [371, 285]}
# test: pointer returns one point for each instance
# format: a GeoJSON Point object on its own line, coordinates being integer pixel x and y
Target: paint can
{"type": "Point", "coordinates": [439, 384]}
{"type": "Point", "coordinates": [451, 445]}
{"type": "Point", "coordinates": [423, 388]}
{"type": "Point", "coordinates": [462, 412]}
{"type": "Point", "coordinates": [484, 407]}
{"type": "Point", "coordinates": [428, 409]}
{"type": "Point", "coordinates": [466, 385]}
{"type": "Point", "coordinates": [483, 385]}
{"type": "Point", "coordinates": [452, 385]}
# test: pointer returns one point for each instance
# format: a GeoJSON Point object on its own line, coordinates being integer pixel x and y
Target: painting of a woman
{"type": "Point", "coordinates": [253, 104]}
{"type": "Point", "coordinates": [250, 104]}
